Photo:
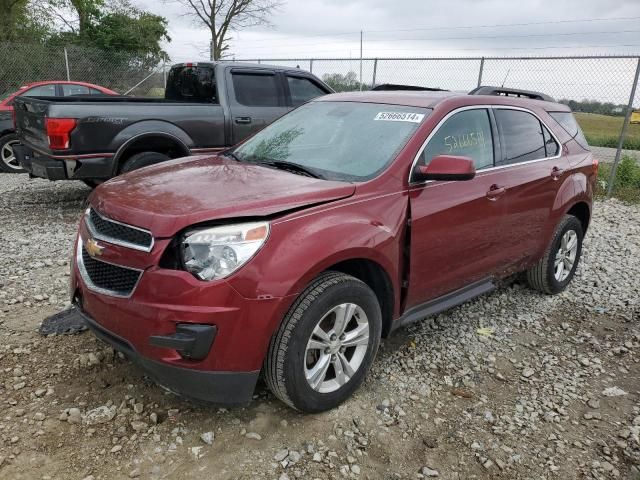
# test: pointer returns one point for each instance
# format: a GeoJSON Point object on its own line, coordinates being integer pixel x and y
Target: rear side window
{"type": "Point", "coordinates": [256, 90]}
{"type": "Point", "coordinates": [550, 145]}
{"type": "Point", "coordinates": [302, 90]}
{"type": "Point", "coordinates": [569, 123]}
{"type": "Point", "coordinates": [523, 136]}
{"type": "Point", "coordinates": [192, 84]}
{"type": "Point", "coordinates": [41, 91]}
{"type": "Point", "coordinates": [468, 134]}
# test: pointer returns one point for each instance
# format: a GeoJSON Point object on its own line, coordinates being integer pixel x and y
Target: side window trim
{"type": "Point", "coordinates": [501, 139]}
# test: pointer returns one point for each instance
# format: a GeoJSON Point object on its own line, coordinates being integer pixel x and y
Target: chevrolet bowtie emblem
{"type": "Point", "coordinates": [92, 248]}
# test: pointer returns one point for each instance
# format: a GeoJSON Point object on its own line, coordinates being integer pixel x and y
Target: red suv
{"type": "Point", "coordinates": [293, 253]}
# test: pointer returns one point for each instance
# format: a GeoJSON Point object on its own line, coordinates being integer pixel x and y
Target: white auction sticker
{"type": "Point", "coordinates": [400, 117]}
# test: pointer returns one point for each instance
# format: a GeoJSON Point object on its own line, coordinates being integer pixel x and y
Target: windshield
{"type": "Point", "coordinates": [336, 140]}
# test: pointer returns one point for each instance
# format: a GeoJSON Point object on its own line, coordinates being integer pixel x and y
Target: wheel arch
{"type": "Point", "coordinates": [161, 142]}
{"type": "Point", "coordinates": [377, 279]}
{"type": "Point", "coordinates": [582, 211]}
{"type": "Point", "coordinates": [366, 266]}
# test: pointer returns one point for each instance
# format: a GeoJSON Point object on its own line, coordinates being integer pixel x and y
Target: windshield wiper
{"type": "Point", "coordinates": [292, 167]}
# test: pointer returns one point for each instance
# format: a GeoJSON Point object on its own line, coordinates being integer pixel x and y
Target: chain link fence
{"type": "Point", "coordinates": [601, 88]}
{"type": "Point", "coordinates": [603, 85]}
{"type": "Point", "coordinates": [125, 73]}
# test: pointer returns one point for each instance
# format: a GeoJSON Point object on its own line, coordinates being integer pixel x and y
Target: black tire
{"type": "Point", "coordinates": [286, 358]}
{"type": "Point", "coordinates": [8, 164]}
{"type": "Point", "coordinates": [142, 159]}
{"type": "Point", "coordinates": [542, 276]}
{"type": "Point", "coordinates": [92, 183]}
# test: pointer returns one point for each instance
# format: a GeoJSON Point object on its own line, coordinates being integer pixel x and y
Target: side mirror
{"type": "Point", "coordinates": [446, 167]}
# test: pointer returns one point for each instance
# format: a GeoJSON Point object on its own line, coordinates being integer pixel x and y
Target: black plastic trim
{"type": "Point", "coordinates": [192, 341]}
{"type": "Point", "coordinates": [220, 388]}
{"type": "Point", "coordinates": [445, 302]}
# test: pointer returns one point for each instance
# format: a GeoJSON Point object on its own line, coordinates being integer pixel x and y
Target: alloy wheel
{"type": "Point", "coordinates": [337, 348]}
{"type": "Point", "coordinates": [566, 255]}
{"type": "Point", "coordinates": [8, 157]}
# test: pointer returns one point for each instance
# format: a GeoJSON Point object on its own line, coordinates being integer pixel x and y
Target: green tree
{"type": "Point", "coordinates": [343, 83]}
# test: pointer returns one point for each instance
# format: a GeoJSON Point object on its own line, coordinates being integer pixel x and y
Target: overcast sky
{"type": "Point", "coordinates": [395, 28]}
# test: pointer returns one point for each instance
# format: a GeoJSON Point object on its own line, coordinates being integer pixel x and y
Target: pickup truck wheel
{"type": "Point", "coordinates": [92, 183]}
{"type": "Point", "coordinates": [142, 159]}
{"type": "Point", "coordinates": [8, 161]}
{"type": "Point", "coordinates": [557, 267]}
{"type": "Point", "coordinates": [325, 345]}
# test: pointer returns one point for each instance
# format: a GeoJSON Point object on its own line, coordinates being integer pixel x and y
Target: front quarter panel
{"type": "Point", "coordinates": [303, 245]}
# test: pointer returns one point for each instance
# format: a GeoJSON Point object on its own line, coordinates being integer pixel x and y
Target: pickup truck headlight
{"type": "Point", "coordinates": [217, 252]}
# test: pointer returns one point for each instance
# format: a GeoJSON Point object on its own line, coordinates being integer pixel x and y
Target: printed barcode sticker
{"type": "Point", "coordinates": [400, 117]}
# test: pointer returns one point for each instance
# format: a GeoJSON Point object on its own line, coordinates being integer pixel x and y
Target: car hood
{"type": "Point", "coordinates": [168, 197]}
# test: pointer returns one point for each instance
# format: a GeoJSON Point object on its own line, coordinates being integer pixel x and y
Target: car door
{"type": "Point", "coordinates": [532, 169]}
{"type": "Point", "coordinates": [256, 98]}
{"type": "Point", "coordinates": [300, 89]}
{"type": "Point", "coordinates": [455, 225]}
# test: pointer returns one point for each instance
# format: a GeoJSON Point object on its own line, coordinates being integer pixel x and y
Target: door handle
{"type": "Point", "coordinates": [243, 120]}
{"type": "Point", "coordinates": [495, 192]}
{"type": "Point", "coordinates": [556, 173]}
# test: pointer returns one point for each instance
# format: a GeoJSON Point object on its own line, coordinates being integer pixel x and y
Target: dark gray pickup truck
{"type": "Point", "coordinates": [207, 107]}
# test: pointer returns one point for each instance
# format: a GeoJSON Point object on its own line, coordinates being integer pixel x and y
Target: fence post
{"type": "Point", "coordinates": [311, 65]}
{"type": "Point", "coordinates": [623, 133]}
{"type": "Point", "coordinates": [375, 72]}
{"type": "Point", "coordinates": [164, 75]}
{"type": "Point", "coordinates": [481, 70]}
{"type": "Point", "coordinates": [66, 62]}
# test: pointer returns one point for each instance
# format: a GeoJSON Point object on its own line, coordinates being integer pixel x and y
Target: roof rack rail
{"type": "Point", "coordinates": [510, 92]}
{"type": "Point", "coordinates": [394, 86]}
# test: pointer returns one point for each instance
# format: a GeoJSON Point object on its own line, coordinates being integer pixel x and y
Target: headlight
{"type": "Point", "coordinates": [217, 252]}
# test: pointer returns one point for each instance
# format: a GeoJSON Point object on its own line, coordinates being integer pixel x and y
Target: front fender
{"type": "Point", "coordinates": [302, 247]}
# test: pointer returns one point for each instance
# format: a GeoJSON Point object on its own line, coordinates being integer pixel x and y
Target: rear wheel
{"type": "Point", "coordinates": [142, 159]}
{"type": "Point", "coordinates": [556, 268]}
{"type": "Point", "coordinates": [325, 345]}
{"type": "Point", "coordinates": [8, 161]}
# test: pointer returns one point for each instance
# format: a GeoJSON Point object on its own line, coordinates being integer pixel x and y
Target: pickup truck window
{"type": "Point", "coordinates": [345, 141]}
{"type": "Point", "coordinates": [192, 84]}
{"type": "Point", "coordinates": [302, 90]}
{"type": "Point", "coordinates": [468, 134]}
{"type": "Point", "coordinates": [256, 90]}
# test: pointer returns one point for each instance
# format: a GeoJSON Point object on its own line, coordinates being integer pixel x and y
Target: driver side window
{"type": "Point", "coordinates": [467, 134]}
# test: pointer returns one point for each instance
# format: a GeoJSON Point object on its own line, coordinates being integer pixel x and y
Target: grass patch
{"type": "Point", "coordinates": [604, 130]}
{"type": "Point", "coordinates": [626, 185]}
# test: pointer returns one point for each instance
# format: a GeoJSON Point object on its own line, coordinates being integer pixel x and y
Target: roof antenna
{"type": "Point", "coordinates": [505, 78]}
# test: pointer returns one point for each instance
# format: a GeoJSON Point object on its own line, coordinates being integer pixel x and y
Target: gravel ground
{"type": "Point", "coordinates": [512, 385]}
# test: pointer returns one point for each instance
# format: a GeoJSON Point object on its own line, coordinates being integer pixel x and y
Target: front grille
{"type": "Point", "coordinates": [118, 233]}
{"type": "Point", "coordinates": [107, 278]}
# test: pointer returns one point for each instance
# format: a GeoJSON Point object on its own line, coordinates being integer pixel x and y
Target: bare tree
{"type": "Point", "coordinates": [222, 17]}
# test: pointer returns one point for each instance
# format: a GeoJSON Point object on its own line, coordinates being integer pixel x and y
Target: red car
{"type": "Point", "coordinates": [293, 253]}
{"type": "Point", "coordinates": [8, 138]}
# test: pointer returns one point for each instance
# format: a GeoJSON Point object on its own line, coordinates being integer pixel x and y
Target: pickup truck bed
{"type": "Point", "coordinates": [209, 107]}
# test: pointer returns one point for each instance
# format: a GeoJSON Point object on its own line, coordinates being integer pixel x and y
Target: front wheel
{"type": "Point", "coordinates": [325, 345]}
{"type": "Point", "coordinates": [557, 267]}
{"type": "Point", "coordinates": [8, 161]}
